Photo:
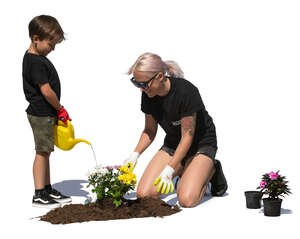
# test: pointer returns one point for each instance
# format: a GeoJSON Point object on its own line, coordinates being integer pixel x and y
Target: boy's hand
{"type": "Point", "coordinates": [63, 115]}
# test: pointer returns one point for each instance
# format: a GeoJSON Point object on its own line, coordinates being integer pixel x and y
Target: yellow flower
{"type": "Point", "coordinates": [121, 177]}
{"type": "Point", "coordinates": [128, 178]}
{"type": "Point", "coordinates": [124, 169]}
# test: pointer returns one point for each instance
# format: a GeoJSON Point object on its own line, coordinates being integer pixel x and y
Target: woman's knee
{"type": "Point", "coordinates": [143, 192]}
{"type": "Point", "coordinates": [188, 199]}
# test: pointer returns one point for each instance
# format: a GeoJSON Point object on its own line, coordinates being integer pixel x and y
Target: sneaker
{"type": "Point", "coordinates": [43, 200]}
{"type": "Point", "coordinates": [58, 197]}
{"type": "Point", "coordinates": [218, 181]}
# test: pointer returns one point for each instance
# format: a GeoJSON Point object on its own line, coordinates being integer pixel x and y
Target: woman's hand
{"type": "Point", "coordinates": [164, 180]}
{"type": "Point", "coordinates": [131, 161]}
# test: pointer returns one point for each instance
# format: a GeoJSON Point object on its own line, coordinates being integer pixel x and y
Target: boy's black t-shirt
{"type": "Point", "coordinates": [182, 100]}
{"type": "Point", "coordinates": [39, 70]}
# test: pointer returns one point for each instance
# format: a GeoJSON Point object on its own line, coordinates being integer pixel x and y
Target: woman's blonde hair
{"type": "Point", "coordinates": [149, 62]}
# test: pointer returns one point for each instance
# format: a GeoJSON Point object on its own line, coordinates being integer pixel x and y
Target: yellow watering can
{"type": "Point", "coordinates": [64, 136]}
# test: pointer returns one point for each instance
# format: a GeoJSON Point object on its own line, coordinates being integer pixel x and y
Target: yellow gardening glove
{"type": "Point", "coordinates": [131, 161]}
{"type": "Point", "coordinates": [164, 180]}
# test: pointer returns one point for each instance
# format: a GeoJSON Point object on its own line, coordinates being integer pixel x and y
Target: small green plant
{"type": "Point", "coordinates": [274, 185]}
{"type": "Point", "coordinates": [111, 182]}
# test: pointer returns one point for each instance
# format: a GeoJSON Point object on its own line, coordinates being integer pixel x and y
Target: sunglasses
{"type": "Point", "coordinates": [143, 85]}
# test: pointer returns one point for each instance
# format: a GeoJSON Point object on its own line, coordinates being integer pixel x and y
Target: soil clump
{"type": "Point", "coordinates": [106, 210]}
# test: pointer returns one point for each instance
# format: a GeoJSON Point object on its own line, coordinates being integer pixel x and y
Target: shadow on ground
{"type": "Point", "coordinates": [72, 188]}
{"type": "Point", "coordinates": [282, 211]}
{"type": "Point", "coordinates": [286, 211]}
{"type": "Point", "coordinates": [172, 198]}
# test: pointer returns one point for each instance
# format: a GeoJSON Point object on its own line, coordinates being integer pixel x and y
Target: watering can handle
{"type": "Point", "coordinates": [61, 123]}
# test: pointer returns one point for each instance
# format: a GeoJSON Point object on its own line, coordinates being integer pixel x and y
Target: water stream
{"type": "Point", "coordinates": [94, 156]}
{"type": "Point", "coordinates": [89, 198]}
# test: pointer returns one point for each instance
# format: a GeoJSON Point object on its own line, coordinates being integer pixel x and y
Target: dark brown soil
{"type": "Point", "coordinates": [106, 210]}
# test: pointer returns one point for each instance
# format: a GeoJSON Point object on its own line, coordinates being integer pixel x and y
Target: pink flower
{"type": "Point", "coordinates": [263, 184]}
{"type": "Point", "coordinates": [273, 175]}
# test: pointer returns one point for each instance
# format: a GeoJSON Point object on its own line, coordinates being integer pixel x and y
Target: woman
{"type": "Point", "coordinates": [190, 144]}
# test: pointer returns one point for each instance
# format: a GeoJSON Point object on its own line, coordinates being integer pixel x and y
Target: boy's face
{"type": "Point", "coordinates": [44, 47]}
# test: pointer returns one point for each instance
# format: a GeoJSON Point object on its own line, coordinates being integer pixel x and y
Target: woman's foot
{"type": "Point", "coordinates": [218, 181]}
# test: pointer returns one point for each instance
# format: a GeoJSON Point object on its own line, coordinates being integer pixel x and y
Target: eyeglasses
{"type": "Point", "coordinates": [143, 85]}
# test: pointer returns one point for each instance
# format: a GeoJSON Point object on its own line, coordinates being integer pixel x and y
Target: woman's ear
{"type": "Point", "coordinates": [161, 76]}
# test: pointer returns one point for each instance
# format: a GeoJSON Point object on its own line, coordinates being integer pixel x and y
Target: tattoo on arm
{"type": "Point", "coordinates": [188, 124]}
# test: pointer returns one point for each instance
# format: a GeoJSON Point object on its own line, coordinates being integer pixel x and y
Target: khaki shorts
{"type": "Point", "coordinates": [43, 132]}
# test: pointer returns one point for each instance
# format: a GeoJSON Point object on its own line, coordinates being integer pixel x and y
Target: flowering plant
{"type": "Point", "coordinates": [274, 185]}
{"type": "Point", "coordinates": [111, 182]}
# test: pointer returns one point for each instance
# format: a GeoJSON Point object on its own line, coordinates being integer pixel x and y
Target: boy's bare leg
{"type": "Point", "coordinates": [40, 169]}
{"type": "Point", "coordinates": [47, 177]}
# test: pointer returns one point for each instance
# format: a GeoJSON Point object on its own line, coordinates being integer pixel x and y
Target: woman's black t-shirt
{"type": "Point", "coordinates": [182, 100]}
{"type": "Point", "coordinates": [39, 70]}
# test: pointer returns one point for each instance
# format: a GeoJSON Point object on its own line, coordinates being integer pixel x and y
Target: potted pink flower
{"type": "Point", "coordinates": [274, 185]}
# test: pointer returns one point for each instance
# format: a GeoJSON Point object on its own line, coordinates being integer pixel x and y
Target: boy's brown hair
{"type": "Point", "coordinates": [46, 27]}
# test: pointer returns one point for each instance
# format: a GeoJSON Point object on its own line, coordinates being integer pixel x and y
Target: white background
{"type": "Point", "coordinates": [242, 55]}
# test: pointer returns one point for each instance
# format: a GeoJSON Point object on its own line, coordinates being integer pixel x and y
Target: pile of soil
{"type": "Point", "coordinates": [106, 210]}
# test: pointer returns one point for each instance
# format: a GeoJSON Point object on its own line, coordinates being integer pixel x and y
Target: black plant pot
{"type": "Point", "coordinates": [253, 199]}
{"type": "Point", "coordinates": [272, 207]}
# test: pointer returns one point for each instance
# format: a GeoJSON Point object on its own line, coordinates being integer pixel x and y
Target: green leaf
{"type": "Point", "coordinates": [117, 202]}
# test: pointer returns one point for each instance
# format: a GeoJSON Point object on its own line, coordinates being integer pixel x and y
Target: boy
{"type": "Point", "coordinates": [41, 86]}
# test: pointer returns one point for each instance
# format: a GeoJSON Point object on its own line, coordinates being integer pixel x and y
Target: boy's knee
{"type": "Point", "coordinates": [43, 154]}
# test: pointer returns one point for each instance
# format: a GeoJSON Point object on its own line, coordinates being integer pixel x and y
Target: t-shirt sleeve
{"type": "Point", "coordinates": [191, 102]}
{"type": "Point", "coordinates": [146, 105]}
{"type": "Point", "coordinates": [39, 74]}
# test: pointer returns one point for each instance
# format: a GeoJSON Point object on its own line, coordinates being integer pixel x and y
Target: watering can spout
{"type": "Point", "coordinates": [76, 141]}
